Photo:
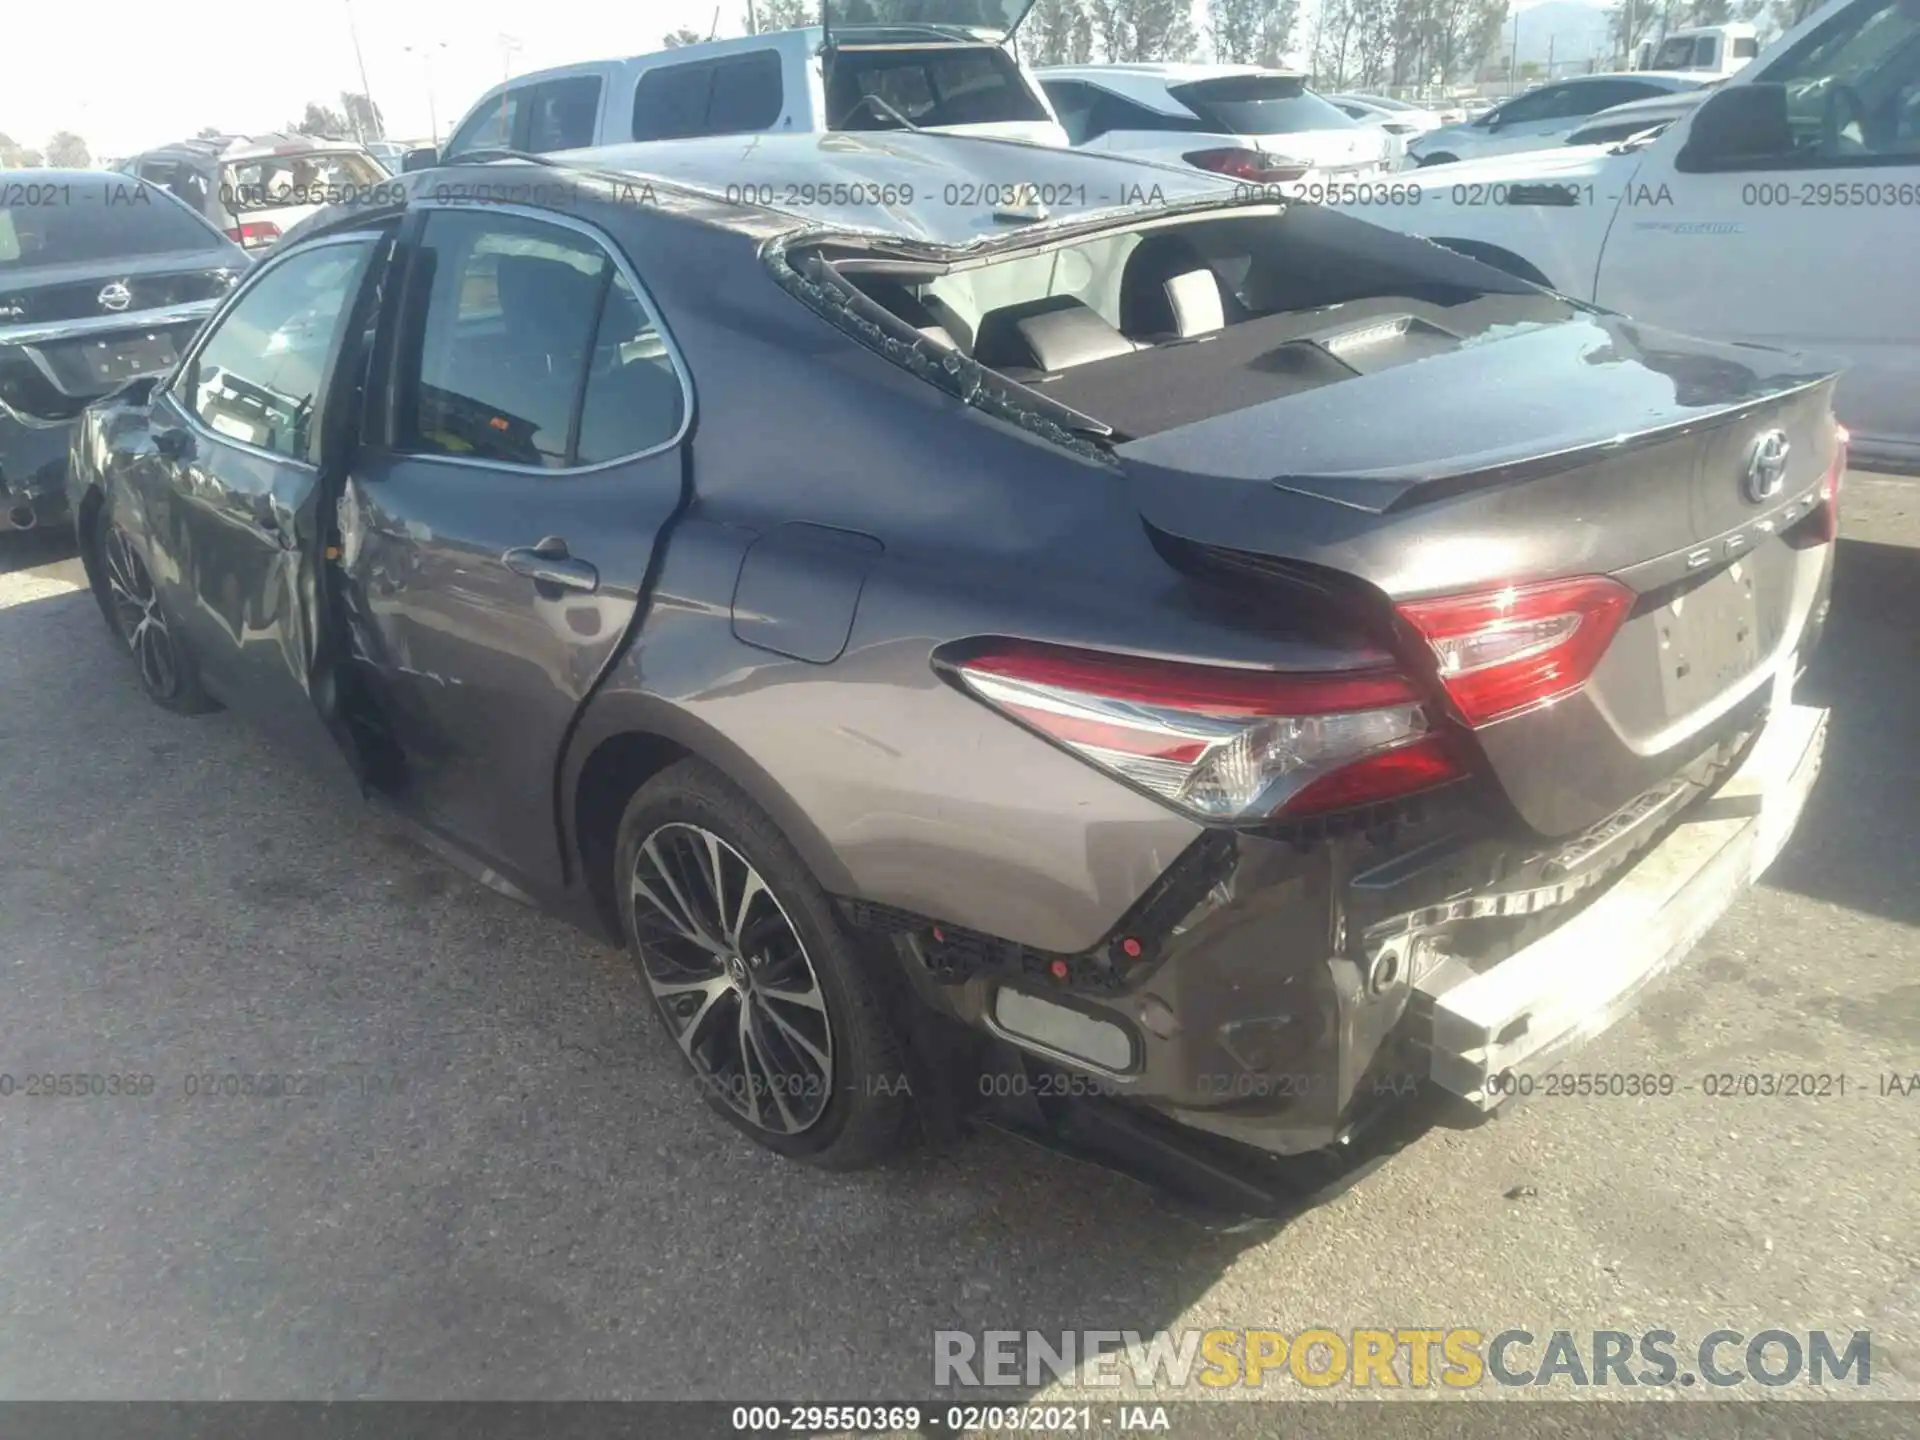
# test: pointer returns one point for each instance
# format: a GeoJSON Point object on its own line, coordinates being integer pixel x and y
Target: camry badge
{"type": "Point", "coordinates": [1766, 467]}
{"type": "Point", "coordinates": [114, 296]}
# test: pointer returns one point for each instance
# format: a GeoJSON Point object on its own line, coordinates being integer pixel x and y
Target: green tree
{"type": "Point", "coordinates": [674, 39]}
{"type": "Point", "coordinates": [321, 121]}
{"type": "Point", "coordinates": [68, 151]}
{"type": "Point", "coordinates": [1058, 32]}
{"type": "Point", "coordinates": [14, 156]}
{"type": "Point", "coordinates": [785, 14]}
{"type": "Point", "coordinates": [1144, 29]}
{"type": "Point", "coordinates": [1252, 32]}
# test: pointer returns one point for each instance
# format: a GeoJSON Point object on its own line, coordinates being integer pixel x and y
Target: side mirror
{"type": "Point", "coordinates": [1737, 126]}
{"type": "Point", "coordinates": [423, 159]}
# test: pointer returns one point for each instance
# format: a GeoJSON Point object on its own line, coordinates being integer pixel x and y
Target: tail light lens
{"type": "Point", "coordinates": [1503, 652]}
{"type": "Point", "coordinates": [1822, 524]}
{"type": "Point", "coordinates": [1256, 166]}
{"type": "Point", "coordinates": [254, 233]}
{"type": "Point", "coordinates": [1221, 744]}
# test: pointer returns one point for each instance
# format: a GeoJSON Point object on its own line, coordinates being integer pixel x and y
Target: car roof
{"type": "Point", "coordinates": [904, 174]}
{"type": "Point", "coordinates": [51, 175]}
{"type": "Point", "coordinates": [1173, 72]}
{"type": "Point", "coordinates": [225, 148]}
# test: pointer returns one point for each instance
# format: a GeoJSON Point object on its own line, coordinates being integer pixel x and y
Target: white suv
{"type": "Point", "coordinates": [945, 77]}
{"type": "Point", "coordinates": [1240, 120]}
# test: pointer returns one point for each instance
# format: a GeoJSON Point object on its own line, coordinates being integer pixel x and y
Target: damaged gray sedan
{"type": "Point", "coordinates": [1185, 667]}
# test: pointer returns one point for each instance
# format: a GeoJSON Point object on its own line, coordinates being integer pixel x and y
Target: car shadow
{"type": "Point", "coordinates": [1854, 846]}
{"type": "Point", "coordinates": [28, 549]}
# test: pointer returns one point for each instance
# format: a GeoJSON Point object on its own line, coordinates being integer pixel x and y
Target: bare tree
{"type": "Point", "coordinates": [320, 121]}
{"type": "Point", "coordinates": [674, 39]}
{"type": "Point", "coordinates": [362, 116]}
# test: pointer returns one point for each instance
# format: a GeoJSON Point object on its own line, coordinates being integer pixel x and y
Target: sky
{"type": "Point", "coordinates": [125, 77]}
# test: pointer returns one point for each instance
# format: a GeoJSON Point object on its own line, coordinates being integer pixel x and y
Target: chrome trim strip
{"type": "Point", "coordinates": [192, 310]}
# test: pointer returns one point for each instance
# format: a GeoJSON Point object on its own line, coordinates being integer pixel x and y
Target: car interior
{"type": "Point", "coordinates": [1152, 329]}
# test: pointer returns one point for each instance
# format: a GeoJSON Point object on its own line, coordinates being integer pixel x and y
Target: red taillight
{"type": "Point", "coordinates": [1256, 166]}
{"type": "Point", "coordinates": [1220, 743]}
{"type": "Point", "coordinates": [1822, 525]}
{"type": "Point", "coordinates": [254, 233]}
{"type": "Point", "coordinates": [1505, 651]}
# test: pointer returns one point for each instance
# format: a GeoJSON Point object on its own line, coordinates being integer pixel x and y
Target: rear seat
{"type": "Point", "coordinates": [1046, 336]}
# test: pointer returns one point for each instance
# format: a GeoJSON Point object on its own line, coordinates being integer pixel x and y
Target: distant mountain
{"type": "Point", "coordinates": [1569, 29]}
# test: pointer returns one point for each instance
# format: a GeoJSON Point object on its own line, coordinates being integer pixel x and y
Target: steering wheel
{"type": "Point", "coordinates": [1841, 107]}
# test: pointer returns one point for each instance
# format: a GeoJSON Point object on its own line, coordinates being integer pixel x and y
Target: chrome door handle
{"type": "Point", "coordinates": [548, 563]}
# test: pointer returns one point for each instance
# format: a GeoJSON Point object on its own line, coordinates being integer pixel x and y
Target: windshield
{"type": "Point", "coordinates": [969, 85]}
{"type": "Point", "coordinates": [66, 223]}
{"type": "Point", "coordinates": [1260, 105]}
{"type": "Point", "coordinates": [1000, 17]}
{"type": "Point", "coordinates": [321, 177]}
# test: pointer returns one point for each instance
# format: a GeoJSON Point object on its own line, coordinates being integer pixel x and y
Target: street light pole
{"type": "Point", "coordinates": [360, 63]}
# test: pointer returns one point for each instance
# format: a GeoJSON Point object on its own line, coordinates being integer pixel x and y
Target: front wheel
{"type": "Point", "coordinates": [758, 985]}
{"type": "Point", "coordinates": [165, 664]}
{"type": "Point", "coordinates": [1443, 158]}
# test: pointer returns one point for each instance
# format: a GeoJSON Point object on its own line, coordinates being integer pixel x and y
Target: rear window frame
{"type": "Point", "coordinates": [216, 242]}
{"type": "Point", "coordinates": [1193, 94]}
{"type": "Point", "coordinates": [848, 62]}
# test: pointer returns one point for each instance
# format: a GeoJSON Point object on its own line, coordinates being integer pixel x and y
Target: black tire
{"type": "Point", "coordinates": [847, 1114]}
{"type": "Point", "coordinates": [161, 656]}
{"type": "Point", "coordinates": [1443, 158]}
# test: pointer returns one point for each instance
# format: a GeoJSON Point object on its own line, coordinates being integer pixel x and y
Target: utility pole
{"type": "Point", "coordinates": [1513, 56]}
{"type": "Point", "coordinates": [1550, 40]}
{"type": "Point", "coordinates": [509, 47]}
{"type": "Point", "coordinates": [360, 63]}
{"type": "Point", "coordinates": [753, 19]}
{"type": "Point", "coordinates": [425, 54]}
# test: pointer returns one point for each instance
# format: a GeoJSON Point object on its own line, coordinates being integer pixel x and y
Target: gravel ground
{"type": "Point", "coordinates": [509, 1192]}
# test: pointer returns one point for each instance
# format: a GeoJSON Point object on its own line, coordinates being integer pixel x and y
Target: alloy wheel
{"type": "Point", "coordinates": [732, 977]}
{"type": "Point", "coordinates": [137, 613]}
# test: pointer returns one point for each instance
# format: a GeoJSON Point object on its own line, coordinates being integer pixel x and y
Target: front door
{"type": "Point", "coordinates": [231, 487]}
{"type": "Point", "coordinates": [1813, 246]}
{"type": "Point", "coordinates": [498, 533]}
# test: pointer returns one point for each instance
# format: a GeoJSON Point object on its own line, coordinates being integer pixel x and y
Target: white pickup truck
{"type": "Point", "coordinates": [1783, 210]}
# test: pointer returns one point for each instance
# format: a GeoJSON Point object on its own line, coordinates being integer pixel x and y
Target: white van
{"type": "Point", "coordinates": [1703, 49]}
{"type": "Point", "coordinates": [927, 75]}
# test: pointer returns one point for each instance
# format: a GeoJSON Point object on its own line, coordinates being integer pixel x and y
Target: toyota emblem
{"type": "Point", "coordinates": [1766, 467]}
{"type": "Point", "coordinates": [115, 296]}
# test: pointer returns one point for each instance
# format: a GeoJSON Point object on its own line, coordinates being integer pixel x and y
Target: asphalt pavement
{"type": "Point", "coordinates": [496, 1184]}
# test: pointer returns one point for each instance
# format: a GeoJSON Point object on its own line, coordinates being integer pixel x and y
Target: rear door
{"type": "Point", "coordinates": [498, 527]}
{"type": "Point", "coordinates": [231, 488]}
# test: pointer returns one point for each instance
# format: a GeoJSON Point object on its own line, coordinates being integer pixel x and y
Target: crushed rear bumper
{"type": "Point", "coordinates": [1521, 1015]}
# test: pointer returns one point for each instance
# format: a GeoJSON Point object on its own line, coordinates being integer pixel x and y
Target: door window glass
{"type": "Point", "coordinates": [490, 127]}
{"type": "Point", "coordinates": [671, 101]}
{"type": "Point", "coordinates": [634, 399]}
{"type": "Point", "coordinates": [1853, 85]}
{"type": "Point", "coordinates": [747, 94]}
{"type": "Point", "coordinates": [498, 353]}
{"type": "Point", "coordinates": [564, 114]}
{"type": "Point", "coordinates": [258, 377]}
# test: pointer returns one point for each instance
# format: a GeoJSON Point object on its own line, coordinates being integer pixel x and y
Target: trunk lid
{"type": "Point", "coordinates": [1423, 465]}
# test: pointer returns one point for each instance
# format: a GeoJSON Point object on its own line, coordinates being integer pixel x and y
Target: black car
{"type": "Point", "coordinates": [1201, 661]}
{"type": "Point", "coordinates": [103, 279]}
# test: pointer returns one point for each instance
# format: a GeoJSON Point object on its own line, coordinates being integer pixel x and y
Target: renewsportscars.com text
{"type": "Point", "coordinates": [1457, 1358]}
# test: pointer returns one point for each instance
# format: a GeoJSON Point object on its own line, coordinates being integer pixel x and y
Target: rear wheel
{"type": "Point", "coordinates": [134, 613]}
{"type": "Point", "coordinates": [1443, 158]}
{"type": "Point", "coordinates": [753, 977]}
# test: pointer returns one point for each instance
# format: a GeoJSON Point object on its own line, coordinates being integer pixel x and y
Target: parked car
{"type": "Point", "coordinates": [955, 77]}
{"type": "Point", "coordinates": [1396, 117]}
{"type": "Point", "coordinates": [102, 280]}
{"type": "Point", "coordinates": [1396, 124]}
{"type": "Point", "coordinates": [1636, 117]}
{"type": "Point", "coordinates": [1728, 223]}
{"type": "Point", "coordinates": [1424, 117]}
{"type": "Point", "coordinates": [926, 634]}
{"type": "Point", "coordinates": [1542, 116]}
{"type": "Point", "coordinates": [256, 187]}
{"type": "Point", "coordinates": [390, 153]}
{"type": "Point", "coordinates": [1239, 120]}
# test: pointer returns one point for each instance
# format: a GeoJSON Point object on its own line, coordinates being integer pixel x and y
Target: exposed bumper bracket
{"type": "Point", "coordinates": [1522, 1014]}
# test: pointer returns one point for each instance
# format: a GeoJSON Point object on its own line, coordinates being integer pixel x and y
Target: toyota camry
{"type": "Point", "coordinates": [1201, 659]}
